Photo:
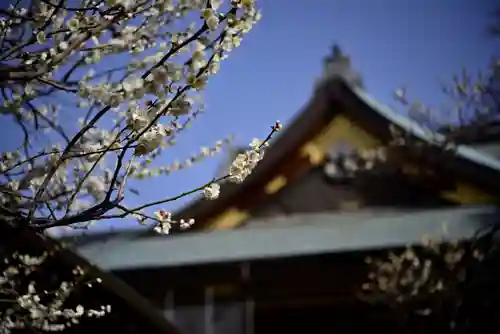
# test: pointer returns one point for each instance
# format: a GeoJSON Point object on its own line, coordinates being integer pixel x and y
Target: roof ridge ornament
{"type": "Point", "coordinates": [338, 65]}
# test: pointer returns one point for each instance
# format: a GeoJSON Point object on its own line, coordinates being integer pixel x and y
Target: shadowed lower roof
{"type": "Point", "coordinates": [306, 234]}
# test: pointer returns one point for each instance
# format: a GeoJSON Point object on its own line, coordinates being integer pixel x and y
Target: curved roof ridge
{"type": "Point", "coordinates": [465, 151]}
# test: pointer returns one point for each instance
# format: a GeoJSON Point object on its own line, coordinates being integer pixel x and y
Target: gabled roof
{"type": "Point", "coordinates": [332, 97]}
{"type": "Point", "coordinates": [301, 235]}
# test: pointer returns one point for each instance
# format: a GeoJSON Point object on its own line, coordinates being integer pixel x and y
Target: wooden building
{"type": "Point", "coordinates": [284, 250]}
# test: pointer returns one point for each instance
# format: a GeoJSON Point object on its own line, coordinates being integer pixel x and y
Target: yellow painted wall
{"type": "Point", "coordinates": [275, 184]}
{"type": "Point", "coordinates": [340, 129]}
{"type": "Point", "coordinates": [468, 194]}
{"type": "Point", "coordinates": [228, 219]}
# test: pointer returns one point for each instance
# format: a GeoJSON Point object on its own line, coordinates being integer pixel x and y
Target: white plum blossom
{"type": "Point", "coordinates": [134, 87]}
{"type": "Point", "coordinates": [180, 107]}
{"type": "Point", "coordinates": [139, 118]}
{"type": "Point", "coordinates": [87, 149]}
{"type": "Point", "coordinates": [211, 18]}
{"type": "Point", "coordinates": [185, 224]}
{"type": "Point", "coordinates": [127, 4]}
{"type": "Point", "coordinates": [256, 144]}
{"type": "Point", "coordinates": [165, 222]}
{"type": "Point", "coordinates": [96, 186]}
{"type": "Point", "coordinates": [244, 164]}
{"type": "Point", "coordinates": [212, 191]}
{"type": "Point", "coordinates": [150, 141]}
{"type": "Point", "coordinates": [30, 261]}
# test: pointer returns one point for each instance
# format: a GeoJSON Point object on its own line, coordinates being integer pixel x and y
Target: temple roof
{"type": "Point", "coordinates": [300, 235]}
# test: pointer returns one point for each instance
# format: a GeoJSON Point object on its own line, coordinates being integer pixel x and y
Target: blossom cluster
{"type": "Point", "coordinates": [239, 170]}
{"type": "Point", "coordinates": [165, 222]}
{"type": "Point", "coordinates": [34, 307]}
{"type": "Point", "coordinates": [244, 163]}
{"type": "Point", "coordinates": [350, 163]}
{"type": "Point", "coordinates": [433, 267]}
{"type": "Point", "coordinates": [132, 73]}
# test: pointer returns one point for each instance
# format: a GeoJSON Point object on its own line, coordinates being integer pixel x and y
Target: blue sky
{"type": "Point", "coordinates": [393, 43]}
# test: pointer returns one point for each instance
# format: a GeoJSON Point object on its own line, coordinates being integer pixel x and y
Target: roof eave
{"type": "Point", "coordinates": [332, 233]}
